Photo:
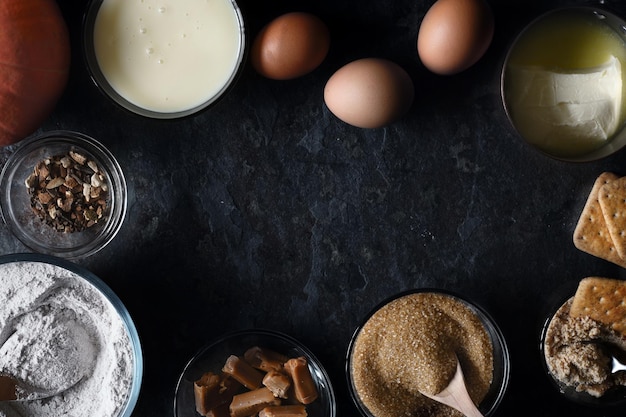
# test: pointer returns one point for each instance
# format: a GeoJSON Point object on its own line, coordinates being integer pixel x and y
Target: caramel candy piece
{"type": "Point", "coordinates": [284, 411]}
{"type": "Point", "coordinates": [265, 359]}
{"type": "Point", "coordinates": [278, 383]}
{"type": "Point", "coordinates": [243, 372]}
{"type": "Point", "coordinates": [304, 386]}
{"type": "Point", "coordinates": [212, 391]}
{"type": "Point", "coordinates": [220, 411]}
{"type": "Point", "coordinates": [251, 402]}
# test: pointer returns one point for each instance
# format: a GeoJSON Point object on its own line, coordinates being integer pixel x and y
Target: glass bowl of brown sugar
{"type": "Point", "coordinates": [407, 345]}
{"type": "Point", "coordinates": [63, 193]}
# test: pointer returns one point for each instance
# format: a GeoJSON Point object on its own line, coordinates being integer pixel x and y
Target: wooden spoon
{"type": "Point", "coordinates": [69, 364]}
{"type": "Point", "coordinates": [8, 388]}
{"type": "Point", "coordinates": [13, 390]}
{"type": "Point", "coordinates": [455, 395]}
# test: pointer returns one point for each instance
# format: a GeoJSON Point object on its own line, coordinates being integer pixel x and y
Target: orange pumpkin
{"type": "Point", "coordinates": [34, 65]}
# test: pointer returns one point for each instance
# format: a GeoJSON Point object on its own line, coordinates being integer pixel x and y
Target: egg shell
{"type": "Point", "coordinates": [454, 35]}
{"type": "Point", "coordinates": [369, 92]}
{"type": "Point", "coordinates": [290, 46]}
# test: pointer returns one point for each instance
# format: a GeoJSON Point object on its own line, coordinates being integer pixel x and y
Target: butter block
{"type": "Point", "coordinates": [559, 105]}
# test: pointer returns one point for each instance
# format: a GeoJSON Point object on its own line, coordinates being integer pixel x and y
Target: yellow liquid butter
{"type": "Point", "coordinates": [563, 82]}
{"type": "Point", "coordinates": [168, 55]}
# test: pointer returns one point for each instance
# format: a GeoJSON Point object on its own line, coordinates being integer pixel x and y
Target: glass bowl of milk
{"type": "Point", "coordinates": [562, 83]}
{"type": "Point", "coordinates": [164, 59]}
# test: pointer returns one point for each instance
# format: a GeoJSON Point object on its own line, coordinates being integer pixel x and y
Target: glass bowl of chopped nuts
{"type": "Point", "coordinates": [254, 372]}
{"type": "Point", "coordinates": [63, 193]}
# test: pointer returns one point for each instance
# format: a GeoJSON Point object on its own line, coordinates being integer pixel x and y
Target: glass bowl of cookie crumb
{"type": "Point", "coordinates": [580, 335]}
{"type": "Point", "coordinates": [410, 344]}
{"type": "Point", "coordinates": [63, 193]}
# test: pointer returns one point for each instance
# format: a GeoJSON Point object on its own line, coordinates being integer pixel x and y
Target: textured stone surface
{"type": "Point", "coordinates": [266, 211]}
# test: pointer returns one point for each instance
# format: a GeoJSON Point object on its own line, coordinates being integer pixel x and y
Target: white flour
{"type": "Point", "coordinates": [58, 332]}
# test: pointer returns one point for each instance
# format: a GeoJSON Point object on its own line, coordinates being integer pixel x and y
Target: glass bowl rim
{"type": "Point", "coordinates": [110, 296]}
{"type": "Point", "coordinates": [105, 159]}
{"type": "Point", "coordinates": [263, 332]}
{"type": "Point", "coordinates": [491, 326]}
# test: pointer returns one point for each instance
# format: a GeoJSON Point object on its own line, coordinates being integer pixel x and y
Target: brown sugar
{"type": "Point", "coordinates": [409, 345]}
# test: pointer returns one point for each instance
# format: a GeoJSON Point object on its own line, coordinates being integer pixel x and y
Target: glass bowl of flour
{"type": "Point", "coordinates": [63, 329]}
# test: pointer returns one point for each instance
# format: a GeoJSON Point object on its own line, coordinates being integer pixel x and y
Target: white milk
{"type": "Point", "coordinates": [168, 55]}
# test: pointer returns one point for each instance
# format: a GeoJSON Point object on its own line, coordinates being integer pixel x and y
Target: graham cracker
{"type": "Point", "coordinates": [602, 299]}
{"type": "Point", "coordinates": [591, 234]}
{"type": "Point", "coordinates": [612, 199]}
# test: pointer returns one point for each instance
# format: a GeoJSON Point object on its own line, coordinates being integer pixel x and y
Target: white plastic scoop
{"type": "Point", "coordinates": [617, 365]}
{"type": "Point", "coordinates": [455, 395]}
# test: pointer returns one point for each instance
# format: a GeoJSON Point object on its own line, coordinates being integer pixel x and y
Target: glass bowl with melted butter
{"type": "Point", "coordinates": [562, 84]}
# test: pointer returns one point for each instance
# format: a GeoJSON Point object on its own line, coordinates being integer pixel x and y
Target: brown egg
{"type": "Point", "coordinates": [369, 92]}
{"type": "Point", "coordinates": [454, 35]}
{"type": "Point", "coordinates": [290, 46]}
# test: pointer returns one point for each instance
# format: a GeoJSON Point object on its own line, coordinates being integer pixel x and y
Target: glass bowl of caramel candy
{"type": "Point", "coordinates": [410, 344]}
{"type": "Point", "coordinates": [255, 372]}
{"type": "Point", "coordinates": [63, 193]}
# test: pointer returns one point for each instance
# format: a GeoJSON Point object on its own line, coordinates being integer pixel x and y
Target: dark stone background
{"type": "Point", "coordinates": [267, 211]}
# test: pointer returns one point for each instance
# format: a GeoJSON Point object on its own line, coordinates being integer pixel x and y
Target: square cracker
{"type": "Point", "coordinates": [612, 199]}
{"type": "Point", "coordinates": [591, 234]}
{"type": "Point", "coordinates": [602, 299]}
